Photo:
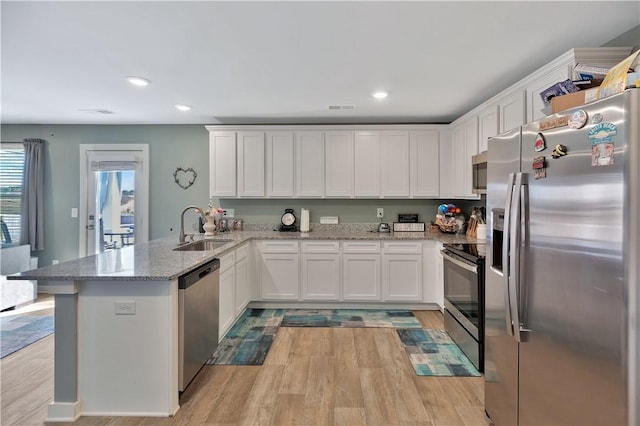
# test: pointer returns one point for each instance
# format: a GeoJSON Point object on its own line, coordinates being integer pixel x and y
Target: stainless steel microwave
{"type": "Point", "coordinates": [479, 173]}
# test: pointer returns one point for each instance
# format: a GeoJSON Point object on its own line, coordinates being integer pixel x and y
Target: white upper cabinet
{"type": "Point", "coordinates": [395, 163]}
{"type": "Point", "coordinates": [534, 101]}
{"type": "Point", "coordinates": [280, 164]}
{"type": "Point", "coordinates": [367, 164]}
{"type": "Point", "coordinates": [338, 164]}
{"type": "Point", "coordinates": [309, 149]}
{"type": "Point", "coordinates": [222, 160]}
{"type": "Point", "coordinates": [488, 125]}
{"type": "Point", "coordinates": [250, 164]}
{"type": "Point", "coordinates": [464, 146]}
{"type": "Point", "coordinates": [512, 111]}
{"type": "Point", "coordinates": [424, 164]}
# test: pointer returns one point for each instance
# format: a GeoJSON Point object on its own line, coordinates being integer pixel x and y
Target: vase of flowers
{"type": "Point", "coordinates": [213, 216]}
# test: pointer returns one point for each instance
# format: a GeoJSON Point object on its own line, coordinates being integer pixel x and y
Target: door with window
{"type": "Point", "coordinates": [114, 197]}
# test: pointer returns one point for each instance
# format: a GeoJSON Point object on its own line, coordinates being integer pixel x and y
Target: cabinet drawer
{"type": "Point", "coordinates": [320, 247]}
{"type": "Point", "coordinates": [241, 252]}
{"type": "Point", "coordinates": [361, 247]}
{"type": "Point", "coordinates": [227, 261]}
{"type": "Point", "coordinates": [402, 247]}
{"type": "Point", "coordinates": [276, 246]}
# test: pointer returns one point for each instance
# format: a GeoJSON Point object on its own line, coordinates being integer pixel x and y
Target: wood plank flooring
{"type": "Point", "coordinates": [312, 376]}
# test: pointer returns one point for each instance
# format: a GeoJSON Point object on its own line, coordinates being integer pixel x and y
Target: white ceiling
{"type": "Point", "coordinates": [281, 62]}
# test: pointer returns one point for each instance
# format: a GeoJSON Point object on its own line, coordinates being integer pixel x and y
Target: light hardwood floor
{"type": "Point", "coordinates": [312, 376]}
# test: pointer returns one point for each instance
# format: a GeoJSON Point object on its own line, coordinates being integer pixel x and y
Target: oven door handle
{"type": "Point", "coordinates": [459, 263]}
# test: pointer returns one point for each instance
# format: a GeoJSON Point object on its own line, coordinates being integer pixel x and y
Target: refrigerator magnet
{"type": "Point", "coordinates": [602, 154]}
{"type": "Point", "coordinates": [559, 151]}
{"type": "Point", "coordinates": [597, 118]}
{"type": "Point", "coordinates": [578, 119]}
{"type": "Point", "coordinates": [540, 144]}
{"type": "Point", "coordinates": [539, 168]}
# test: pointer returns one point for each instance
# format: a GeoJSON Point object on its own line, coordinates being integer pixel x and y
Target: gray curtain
{"type": "Point", "coordinates": [32, 214]}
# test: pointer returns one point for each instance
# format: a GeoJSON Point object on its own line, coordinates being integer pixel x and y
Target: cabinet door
{"type": "Point", "coordinates": [402, 277]}
{"type": "Point", "coordinates": [320, 276]}
{"type": "Point", "coordinates": [361, 277]}
{"type": "Point", "coordinates": [338, 164]}
{"type": "Point", "coordinates": [279, 148]}
{"type": "Point", "coordinates": [309, 164]}
{"type": "Point", "coordinates": [279, 276]}
{"type": "Point", "coordinates": [512, 111]}
{"type": "Point", "coordinates": [367, 164]}
{"type": "Point", "coordinates": [227, 305]}
{"type": "Point", "coordinates": [241, 299]}
{"type": "Point", "coordinates": [458, 152]}
{"type": "Point", "coordinates": [488, 125]}
{"type": "Point", "coordinates": [395, 163]}
{"type": "Point", "coordinates": [432, 278]}
{"type": "Point", "coordinates": [535, 104]}
{"type": "Point", "coordinates": [424, 164]}
{"type": "Point", "coordinates": [222, 164]}
{"type": "Point", "coordinates": [465, 146]}
{"type": "Point", "coordinates": [250, 164]}
{"type": "Point", "coordinates": [446, 175]}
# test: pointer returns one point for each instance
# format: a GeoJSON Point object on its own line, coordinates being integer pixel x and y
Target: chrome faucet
{"type": "Point", "coordinates": [196, 208]}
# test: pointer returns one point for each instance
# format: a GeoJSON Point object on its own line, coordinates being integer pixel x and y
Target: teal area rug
{"type": "Point", "coordinates": [249, 340]}
{"type": "Point", "coordinates": [382, 318]}
{"type": "Point", "coordinates": [19, 331]}
{"type": "Point", "coordinates": [433, 353]}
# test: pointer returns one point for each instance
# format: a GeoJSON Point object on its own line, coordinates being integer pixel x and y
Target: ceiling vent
{"type": "Point", "coordinates": [97, 111]}
{"type": "Point", "coordinates": [340, 107]}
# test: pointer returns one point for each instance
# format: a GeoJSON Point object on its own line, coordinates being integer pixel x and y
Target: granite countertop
{"type": "Point", "coordinates": [158, 261]}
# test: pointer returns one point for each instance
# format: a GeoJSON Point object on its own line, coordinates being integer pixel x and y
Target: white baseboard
{"type": "Point", "coordinates": [63, 412]}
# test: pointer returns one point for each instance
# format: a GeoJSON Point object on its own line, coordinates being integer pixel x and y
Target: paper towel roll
{"type": "Point", "coordinates": [304, 220]}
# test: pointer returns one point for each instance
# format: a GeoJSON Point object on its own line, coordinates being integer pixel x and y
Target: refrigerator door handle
{"type": "Point", "coordinates": [506, 251]}
{"type": "Point", "coordinates": [514, 261]}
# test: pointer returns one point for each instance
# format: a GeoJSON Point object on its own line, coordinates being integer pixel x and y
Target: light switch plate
{"type": "Point", "coordinates": [329, 220]}
{"type": "Point", "coordinates": [74, 212]}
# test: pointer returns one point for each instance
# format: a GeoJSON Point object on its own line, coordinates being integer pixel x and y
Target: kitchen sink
{"type": "Point", "coordinates": [203, 245]}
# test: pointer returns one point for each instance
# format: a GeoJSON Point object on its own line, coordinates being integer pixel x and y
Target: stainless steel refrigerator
{"type": "Point", "coordinates": [562, 268]}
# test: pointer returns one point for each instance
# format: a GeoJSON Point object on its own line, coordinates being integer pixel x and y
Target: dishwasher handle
{"type": "Point", "coordinates": [190, 278]}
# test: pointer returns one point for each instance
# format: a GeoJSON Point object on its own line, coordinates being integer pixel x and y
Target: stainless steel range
{"type": "Point", "coordinates": [464, 298]}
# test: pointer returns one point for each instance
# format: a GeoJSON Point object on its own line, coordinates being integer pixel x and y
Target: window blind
{"type": "Point", "coordinates": [11, 184]}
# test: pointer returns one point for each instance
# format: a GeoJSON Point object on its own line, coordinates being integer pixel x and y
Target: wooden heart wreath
{"type": "Point", "coordinates": [184, 177]}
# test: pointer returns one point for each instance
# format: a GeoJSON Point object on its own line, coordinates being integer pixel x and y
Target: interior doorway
{"type": "Point", "coordinates": [114, 196]}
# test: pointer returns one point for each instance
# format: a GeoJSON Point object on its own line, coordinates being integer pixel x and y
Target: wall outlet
{"type": "Point", "coordinates": [55, 261]}
{"type": "Point", "coordinates": [125, 307]}
{"type": "Point", "coordinates": [380, 213]}
{"type": "Point", "coordinates": [74, 212]}
{"type": "Point", "coordinates": [228, 213]}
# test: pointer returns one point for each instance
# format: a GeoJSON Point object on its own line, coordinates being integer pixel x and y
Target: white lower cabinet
{"type": "Point", "coordinates": [227, 289]}
{"type": "Point", "coordinates": [433, 279]}
{"type": "Point", "coordinates": [361, 271]}
{"type": "Point", "coordinates": [279, 270]}
{"type": "Point", "coordinates": [320, 276]}
{"type": "Point", "coordinates": [320, 270]}
{"type": "Point", "coordinates": [241, 299]}
{"type": "Point", "coordinates": [402, 271]}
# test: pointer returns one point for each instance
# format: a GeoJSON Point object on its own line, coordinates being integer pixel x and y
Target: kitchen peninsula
{"type": "Point", "coordinates": [127, 365]}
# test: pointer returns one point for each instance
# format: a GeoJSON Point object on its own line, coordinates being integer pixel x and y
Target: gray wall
{"type": "Point", "coordinates": [171, 146]}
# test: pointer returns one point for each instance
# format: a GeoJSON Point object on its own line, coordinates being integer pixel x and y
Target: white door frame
{"type": "Point", "coordinates": [142, 199]}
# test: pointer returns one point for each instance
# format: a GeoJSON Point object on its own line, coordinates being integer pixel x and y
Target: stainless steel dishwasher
{"type": "Point", "coordinates": [198, 297]}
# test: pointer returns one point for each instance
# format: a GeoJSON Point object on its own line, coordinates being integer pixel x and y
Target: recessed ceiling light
{"type": "Point", "coordinates": [182, 107]}
{"type": "Point", "coordinates": [380, 95]}
{"type": "Point", "coordinates": [138, 81]}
